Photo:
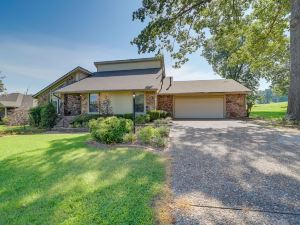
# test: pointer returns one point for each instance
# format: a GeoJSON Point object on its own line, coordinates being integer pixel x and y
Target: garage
{"type": "Point", "coordinates": [194, 107]}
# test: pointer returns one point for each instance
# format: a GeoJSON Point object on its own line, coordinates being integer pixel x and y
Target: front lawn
{"type": "Point", "coordinates": [57, 179]}
{"type": "Point", "coordinates": [272, 111]}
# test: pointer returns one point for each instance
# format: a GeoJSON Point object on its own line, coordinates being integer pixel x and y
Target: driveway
{"type": "Point", "coordinates": [235, 172]}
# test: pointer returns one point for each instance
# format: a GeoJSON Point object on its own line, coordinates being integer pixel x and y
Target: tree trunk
{"type": "Point", "coordinates": [293, 111]}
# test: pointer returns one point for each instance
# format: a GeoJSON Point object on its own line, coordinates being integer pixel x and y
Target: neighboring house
{"type": "Point", "coordinates": [81, 91]}
{"type": "Point", "coordinates": [10, 102]}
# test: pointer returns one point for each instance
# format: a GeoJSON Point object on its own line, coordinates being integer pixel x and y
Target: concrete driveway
{"type": "Point", "coordinates": [235, 172]}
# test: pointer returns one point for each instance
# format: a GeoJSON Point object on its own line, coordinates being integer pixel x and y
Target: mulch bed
{"type": "Point", "coordinates": [96, 144]}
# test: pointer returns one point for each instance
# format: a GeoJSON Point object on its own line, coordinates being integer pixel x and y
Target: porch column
{"type": "Point", "coordinates": [5, 112]}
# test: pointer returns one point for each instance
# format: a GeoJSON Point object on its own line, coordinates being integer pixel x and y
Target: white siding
{"type": "Point", "coordinates": [121, 102]}
{"type": "Point", "coordinates": [128, 66]}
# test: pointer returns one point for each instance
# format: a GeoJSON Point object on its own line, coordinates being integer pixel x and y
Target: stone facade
{"type": "Point", "coordinates": [150, 100]}
{"type": "Point", "coordinates": [165, 102]}
{"type": "Point", "coordinates": [84, 103]}
{"type": "Point", "coordinates": [236, 106]}
{"type": "Point", "coordinates": [72, 104]}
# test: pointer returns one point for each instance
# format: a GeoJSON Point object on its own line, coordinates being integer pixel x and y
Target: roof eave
{"type": "Point", "coordinates": [60, 79]}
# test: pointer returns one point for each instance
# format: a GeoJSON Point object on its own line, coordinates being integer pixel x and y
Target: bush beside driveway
{"type": "Point", "coordinates": [235, 165]}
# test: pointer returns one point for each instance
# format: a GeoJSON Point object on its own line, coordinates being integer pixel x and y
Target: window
{"type": "Point", "coordinates": [93, 103]}
{"type": "Point", "coordinates": [139, 103]}
{"type": "Point", "coordinates": [55, 101]}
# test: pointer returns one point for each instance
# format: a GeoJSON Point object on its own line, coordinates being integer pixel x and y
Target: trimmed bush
{"type": "Point", "coordinates": [6, 120]}
{"type": "Point", "coordinates": [146, 134]}
{"type": "Point", "coordinates": [35, 116]}
{"type": "Point", "coordinates": [158, 140]}
{"type": "Point", "coordinates": [48, 116]}
{"type": "Point", "coordinates": [83, 120]}
{"type": "Point", "coordinates": [142, 119]}
{"type": "Point", "coordinates": [160, 122]}
{"type": "Point", "coordinates": [110, 130]}
{"type": "Point", "coordinates": [157, 114]}
{"type": "Point", "coordinates": [163, 131]}
{"type": "Point", "coordinates": [129, 138]}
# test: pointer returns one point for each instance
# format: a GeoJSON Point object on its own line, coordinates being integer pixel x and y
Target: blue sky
{"type": "Point", "coordinates": [40, 40]}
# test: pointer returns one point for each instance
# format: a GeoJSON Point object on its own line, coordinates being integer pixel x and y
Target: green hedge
{"type": "Point", "coordinates": [111, 129]}
{"type": "Point", "coordinates": [157, 114]}
{"type": "Point", "coordinates": [83, 119]}
{"type": "Point", "coordinates": [43, 116]}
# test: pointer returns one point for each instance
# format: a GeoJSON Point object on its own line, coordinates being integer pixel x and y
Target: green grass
{"type": "Point", "coordinates": [57, 179]}
{"type": "Point", "coordinates": [272, 111]}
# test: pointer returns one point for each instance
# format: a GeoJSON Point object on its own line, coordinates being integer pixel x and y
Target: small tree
{"type": "Point", "coordinates": [105, 106]}
{"type": "Point", "coordinates": [48, 116]}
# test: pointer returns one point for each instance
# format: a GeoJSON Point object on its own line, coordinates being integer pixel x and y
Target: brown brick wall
{"type": "Point", "coordinates": [236, 105]}
{"type": "Point", "coordinates": [165, 102]}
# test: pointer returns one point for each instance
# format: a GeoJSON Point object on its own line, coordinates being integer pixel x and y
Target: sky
{"type": "Point", "coordinates": [41, 40]}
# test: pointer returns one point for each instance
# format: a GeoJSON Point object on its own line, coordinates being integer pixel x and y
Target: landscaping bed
{"type": "Point", "coordinates": [117, 130]}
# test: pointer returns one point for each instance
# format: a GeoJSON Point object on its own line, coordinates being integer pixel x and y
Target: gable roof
{"type": "Point", "coordinates": [16, 100]}
{"type": "Point", "coordinates": [203, 86]}
{"type": "Point", "coordinates": [78, 68]}
{"type": "Point", "coordinates": [140, 79]}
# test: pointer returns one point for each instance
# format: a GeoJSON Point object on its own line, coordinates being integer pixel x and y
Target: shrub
{"type": "Point", "coordinates": [127, 116]}
{"type": "Point", "coordinates": [165, 121]}
{"type": "Point", "coordinates": [83, 120]}
{"type": "Point", "coordinates": [146, 134]}
{"type": "Point", "coordinates": [163, 131]}
{"type": "Point", "coordinates": [48, 116]}
{"type": "Point", "coordinates": [129, 138]}
{"type": "Point", "coordinates": [35, 116]}
{"type": "Point", "coordinates": [142, 119]}
{"type": "Point", "coordinates": [158, 140]}
{"type": "Point", "coordinates": [110, 130]}
{"type": "Point", "coordinates": [157, 114]}
{"type": "Point", "coordinates": [6, 120]}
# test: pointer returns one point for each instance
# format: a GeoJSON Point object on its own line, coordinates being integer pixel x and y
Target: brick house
{"type": "Point", "coordinates": [81, 91]}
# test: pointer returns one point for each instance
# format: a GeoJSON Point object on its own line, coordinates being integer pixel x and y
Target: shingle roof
{"type": "Point", "coordinates": [202, 86]}
{"type": "Point", "coordinates": [78, 68]}
{"type": "Point", "coordinates": [16, 100]}
{"type": "Point", "coordinates": [140, 79]}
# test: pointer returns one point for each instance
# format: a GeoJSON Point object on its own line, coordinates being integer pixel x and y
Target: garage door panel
{"type": "Point", "coordinates": [199, 107]}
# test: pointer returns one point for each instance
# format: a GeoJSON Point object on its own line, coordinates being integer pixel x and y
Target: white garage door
{"type": "Point", "coordinates": [199, 107]}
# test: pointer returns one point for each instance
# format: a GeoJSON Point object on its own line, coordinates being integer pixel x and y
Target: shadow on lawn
{"type": "Point", "coordinates": [70, 183]}
{"type": "Point", "coordinates": [248, 167]}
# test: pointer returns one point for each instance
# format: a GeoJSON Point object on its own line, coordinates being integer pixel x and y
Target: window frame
{"type": "Point", "coordinates": [144, 108]}
{"type": "Point", "coordinates": [97, 103]}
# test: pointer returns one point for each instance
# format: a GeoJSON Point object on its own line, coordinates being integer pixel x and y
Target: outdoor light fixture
{"type": "Point", "coordinates": [133, 97]}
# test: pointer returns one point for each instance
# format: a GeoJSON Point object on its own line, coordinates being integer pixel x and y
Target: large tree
{"type": "Point", "coordinates": [254, 32]}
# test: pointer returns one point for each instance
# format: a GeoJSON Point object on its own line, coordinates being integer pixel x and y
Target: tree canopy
{"type": "Point", "coordinates": [254, 35]}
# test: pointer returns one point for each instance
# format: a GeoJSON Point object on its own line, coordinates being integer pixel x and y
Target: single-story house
{"type": "Point", "coordinates": [82, 91]}
{"type": "Point", "coordinates": [10, 102]}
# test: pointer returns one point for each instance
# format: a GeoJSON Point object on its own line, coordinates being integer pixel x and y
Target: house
{"type": "Point", "coordinates": [82, 91]}
{"type": "Point", "coordinates": [10, 102]}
